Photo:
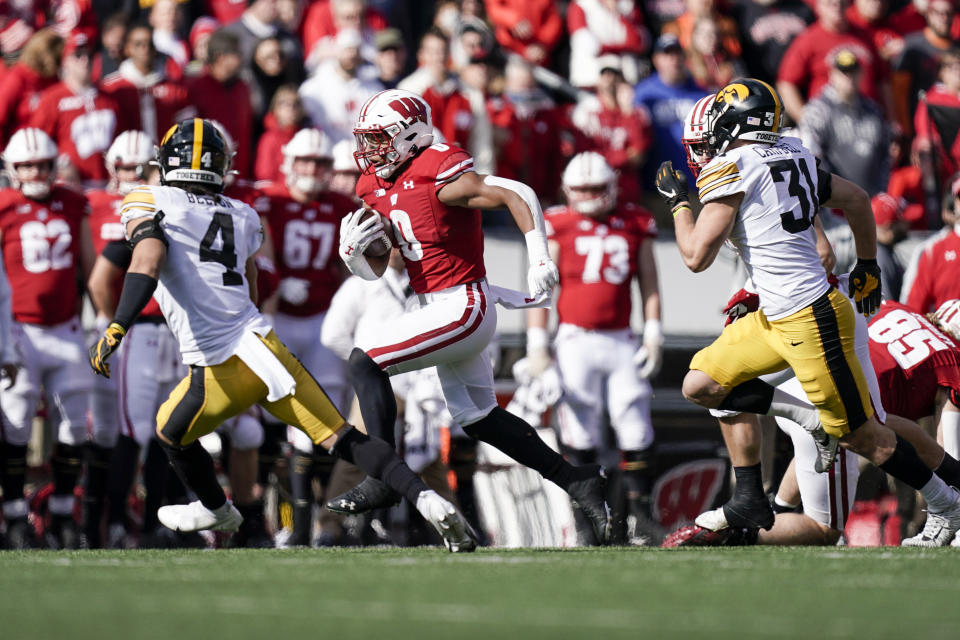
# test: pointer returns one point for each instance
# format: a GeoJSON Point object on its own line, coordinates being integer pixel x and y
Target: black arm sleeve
{"type": "Point", "coordinates": [118, 253]}
{"type": "Point", "coordinates": [137, 291]}
{"type": "Point", "coordinates": [824, 185]}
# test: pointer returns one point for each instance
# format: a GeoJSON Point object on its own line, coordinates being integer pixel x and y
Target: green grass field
{"type": "Point", "coordinates": [494, 594]}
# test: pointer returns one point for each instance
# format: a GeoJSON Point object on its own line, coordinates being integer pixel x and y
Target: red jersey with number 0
{"type": "Point", "coordinates": [598, 260]}
{"type": "Point", "coordinates": [41, 252]}
{"type": "Point", "coordinates": [305, 240]}
{"type": "Point", "coordinates": [912, 358]}
{"type": "Point", "coordinates": [105, 227]}
{"type": "Point", "coordinates": [442, 246]}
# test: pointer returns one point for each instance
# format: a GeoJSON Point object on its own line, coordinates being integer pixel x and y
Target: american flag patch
{"type": "Point", "coordinates": [753, 120]}
{"type": "Point", "coordinates": [173, 161]}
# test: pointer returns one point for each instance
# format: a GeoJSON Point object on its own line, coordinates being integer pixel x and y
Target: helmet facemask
{"type": "Point", "coordinates": [375, 149]}
{"type": "Point", "coordinates": [36, 189]}
{"type": "Point", "coordinates": [592, 200]}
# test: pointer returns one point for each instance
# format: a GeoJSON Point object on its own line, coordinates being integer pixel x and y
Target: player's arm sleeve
{"type": "Point", "coordinates": [721, 178]}
{"type": "Point", "coordinates": [340, 323]}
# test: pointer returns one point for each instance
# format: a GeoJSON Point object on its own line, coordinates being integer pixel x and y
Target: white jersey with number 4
{"type": "Point", "coordinates": [203, 290]}
{"type": "Point", "coordinates": [773, 231]}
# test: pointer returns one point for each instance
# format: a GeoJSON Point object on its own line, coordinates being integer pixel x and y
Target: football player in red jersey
{"type": "Point", "coordinates": [304, 218]}
{"type": "Point", "coordinates": [431, 193]}
{"type": "Point", "coordinates": [45, 241]}
{"type": "Point", "coordinates": [600, 247]}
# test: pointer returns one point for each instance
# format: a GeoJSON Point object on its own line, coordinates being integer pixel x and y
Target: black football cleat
{"type": "Point", "coordinates": [590, 495]}
{"type": "Point", "coordinates": [696, 536]}
{"type": "Point", "coordinates": [368, 495]}
{"type": "Point", "coordinates": [20, 535]}
{"type": "Point", "coordinates": [745, 513]}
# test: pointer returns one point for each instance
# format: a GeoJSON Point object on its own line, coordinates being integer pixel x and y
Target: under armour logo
{"type": "Point", "coordinates": [950, 256]}
{"type": "Point", "coordinates": [408, 184]}
{"type": "Point", "coordinates": [349, 251]}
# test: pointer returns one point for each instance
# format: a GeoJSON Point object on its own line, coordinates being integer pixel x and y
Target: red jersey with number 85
{"type": "Point", "coordinates": [442, 246]}
{"type": "Point", "coordinates": [41, 251]}
{"type": "Point", "coordinates": [912, 358]}
{"type": "Point", "coordinates": [598, 260]}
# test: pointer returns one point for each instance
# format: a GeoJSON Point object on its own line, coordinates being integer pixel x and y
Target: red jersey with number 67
{"type": "Point", "coordinates": [41, 252]}
{"type": "Point", "coordinates": [305, 243]}
{"type": "Point", "coordinates": [598, 260]}
{"type": "Point", "coordinates": [442, 246]}
{"type": "Point", "coordinates": [912, 359]}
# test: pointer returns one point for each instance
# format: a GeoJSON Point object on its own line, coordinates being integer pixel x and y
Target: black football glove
{"type": "Point", "coordinates": [671, 184]}
{"type": "Point", "coordinates": [105, 347]}
{"type": "Point", "coordinates": [865, 286]}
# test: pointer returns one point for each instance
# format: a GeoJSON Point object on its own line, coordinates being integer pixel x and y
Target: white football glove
{"type": "Point", "coordinates": [294, 290]}
{"type": "Point", "coordinates": [649, 356]}
{"type": "Point", "coordinates": [355, 237]}
{"type": "Point", "coordinates": [542, 275]}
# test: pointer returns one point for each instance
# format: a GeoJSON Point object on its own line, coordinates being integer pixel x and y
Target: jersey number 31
{"type": "Point", "coordinates": [790, 171]}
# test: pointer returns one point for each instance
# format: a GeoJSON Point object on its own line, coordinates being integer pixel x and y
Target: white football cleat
{"type": "Point", "coordinates": [185, 518]}
{"type": "Point", "coordinates": [940, 529]}
{"type": "Point", "coordinates": [956, 540]}
{"type": "Point", "coordinates": [713, 520]}
{"type": "Point", "coordinates": [457, 533]}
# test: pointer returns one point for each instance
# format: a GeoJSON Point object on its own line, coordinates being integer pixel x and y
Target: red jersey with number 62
{"type": "Point", "coordinates": [41, 251]}
{"type": "Point", "coordinates": [912, 358]}
{"type": "Point", "coordinates": [442, 246]}
{"type": "Point", "coordinates": [305, 243]}
{"type": "Point", "coordinates": [598, 260]}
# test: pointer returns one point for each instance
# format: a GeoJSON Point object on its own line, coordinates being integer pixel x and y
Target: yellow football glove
{"type": "Point", "coordinates": [105, 347]}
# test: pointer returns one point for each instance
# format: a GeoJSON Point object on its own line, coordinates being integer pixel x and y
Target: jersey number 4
{"type": "Point", "coordinates": [790, 171]}
{"type": "Point", "coordinates": [222, 225]}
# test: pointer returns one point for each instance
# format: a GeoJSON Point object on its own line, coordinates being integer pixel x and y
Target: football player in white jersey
{"type": "Point", "coordinates": [193, 250]}
{"type": "Point", "coordinates": [762, 190]}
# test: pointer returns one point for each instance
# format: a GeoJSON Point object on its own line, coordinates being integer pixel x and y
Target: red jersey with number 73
{"type": "Point", "coordinates": [41, 252]}
{"type": "Point", "coordinates": [912, 359]}
{"type": "Point", "coordinates": [442, 246]}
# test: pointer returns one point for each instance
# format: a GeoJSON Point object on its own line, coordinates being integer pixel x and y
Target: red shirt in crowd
{"type": "Point", "coordinates": [151, 108]}
{"type": "Point", "coordinates": [808, 61]}
{"type": "Point", "coordinates": [619, 137]}
{"type": "Point", "coordinates": [599, 257]}
{"type": "Point", "coordinates": [451, 112]}
{"type": "Point", "coordinates": [923, 125]}
{"type": "Point", "coordinates": [270, 149]}
{"type": "Point", "coordinates": [20, 91]}
{"type": "Point", "coordinates": [318, 23]}
{"type": "Point", "coordinates": [938, 275]}
{"type": "Point", "coordinates": [907, 183]}
{"type": "Point", "coordinates": [531, 149]}
{"type": "Point", "coordinates": [912, 360]}
{"type": "Point", "coordinates": [629, 37]}
{"type": "Point", "coordinates": [545, 23]}
{"type": "Point", "coordinates": [226, 11]}
{"type": "Point", "coordinates": [41, 252]}
{"type": "Point", "coordinates": [305, 243]}
{"type": "Point", "coordinates": [83, 125]}
{"type": "Point", "coordinates": [228, 104]}
{"type": "Point", "coordinates": [441, 245]}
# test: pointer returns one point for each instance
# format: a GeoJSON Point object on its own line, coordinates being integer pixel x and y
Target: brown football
{"type": "Point", "coordinates": [380, 246]}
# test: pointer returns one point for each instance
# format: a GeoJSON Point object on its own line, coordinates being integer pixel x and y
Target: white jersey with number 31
{"type": "Point", "coordinates": [773, 232]}
{"type": "Point", "coordinates": [203, 290]}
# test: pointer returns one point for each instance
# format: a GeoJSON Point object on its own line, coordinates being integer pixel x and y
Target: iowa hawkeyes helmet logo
{"type": "Point", "coordinates": [733, 93]}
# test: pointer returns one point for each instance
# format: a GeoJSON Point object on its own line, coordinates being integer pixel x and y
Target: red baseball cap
{"type": "Point", "coordinates": [886, 209]}
{"type": "Point", "coordinates": [202, 27]}
{"type": "Point", "coordinates": [76, 41]}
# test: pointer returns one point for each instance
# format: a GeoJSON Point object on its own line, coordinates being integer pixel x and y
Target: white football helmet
{"type": "Point", "coordinates": [31, 145]}
{"type": "Point", "coordinates": [130, 148]}
{"type": "Point", "coordinates": [948, 315]}
{"type": "Point", "coordinates": [589, 170]}
{"type": "Point", "coordinates": [343, 157]}
{"type": "Point", "coordinates": [694, 130]}
{"type": "Point", "coordinates": [306, 143]}
{"type": "Point", "coordinates": [393, 126]}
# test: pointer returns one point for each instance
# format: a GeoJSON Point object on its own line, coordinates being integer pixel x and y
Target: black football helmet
{"type": "Point", "coordinates": [745, 109]}
{"type": "Point", "coordinates": [193, 152]}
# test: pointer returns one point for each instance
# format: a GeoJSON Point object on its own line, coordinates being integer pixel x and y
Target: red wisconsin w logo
{"type": "Point", "coordinates": [410, 108]}
{"type": "Point", "coordinates": [686, 491]}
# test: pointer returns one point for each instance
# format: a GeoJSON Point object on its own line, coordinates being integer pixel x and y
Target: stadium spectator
{"type": "Point", "coordinates": [22, 84]}
{"type": "Point", "coordinates": [259, 21]}
{"type": "Point", "coordinates": [281, 122]}
{"type": "Point", "coordinates": [530, 28]}
{"type": "Point", "coordinates": [937, 275]}
{"type": "Point", "coordinates": [271, 70]}
{"type": "Point", "coordinates": [683, 27]}
{"type": "Point", "coordinates": [332, 97]}
{"type": "Point", "coordinates": [149, 99]}
{"type": "Point", "coordinates": [614, 127]}
{"type": "Point", "coordinates": [225, 11]}
{"type": "Point", "coordinates": [908, 183]}
{"type": "Point", "coordinates": [325, 19]}
{"type": "Point", "coordinates": [891, 229]}
{"type": "Point", "coordinates": [167, 18]}
{"type": "Point", "coordinates": [605, 28]}
{"type": "Point", "coordinates": [15, 32]}
{"type": "Point", "coordinates": [945, 97]}
{"type": "Point", "coordinates": [667, 96]}
{"type": "Point", "coordinates": [767, 28]}
{"type": "Point", "coordinates": [200, 34]}
{"type": "Point", "coordinates": [660, 12]}
{"type": "Point", "coordinates": [108, 58]}
{"type": "Point", "coordinates": [805, 67]}
{"type": "Point", "coordinates": [475, 78]}
{"type": "Point", "coordinates": [874, 19]}
{"type": "Point", "coordinates": [290, 16]}
{"type": "Point", "coordinates": [391, 58]}
{"type": "Point", "coordinates": [473, 39]}
{"type": "Point", "coordinates": [915, 69]}
{"type": "Point", "coordinates": [846, 130]}
{"type": "Point", "coordinates": [345, 170]}
{"type": "Point", "coordinates": [80, 119]}
{"type": "Point", "coordinates": [220, 94]}
{"type": "Point", "coordinates": [711, 64]}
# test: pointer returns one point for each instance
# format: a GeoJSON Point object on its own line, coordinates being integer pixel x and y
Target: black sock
{"type": "Point", "coordinates": [66, 465]}
{"type": "Point", "coordinates": [195, 467]}
{"type": "Point", "coordinates": [95, 488]}
{"type": "Point", "coordinates": [749, 482]}
{"type": "Point", "coordinates": [378, 405]}
{"type": "Point", "coordinates": [637, 470]}
{"type": "Point", "coordinates": [949, 470]}
{"type": "Point", "coordinates": [156, 468]}
{"type": "Point", "coordinates": [301, 473]}
{"type": "Point", "coordinates": [14, 470]}
{"type": "Point", "coordinates": [753, 396]}
{"type": "Point", "coordinates": [904, 464]}
{"type": "Point", "coordinates": [270, 452]}
{"type": "Point", "coordinates": [123, 469]}
{"type": "Point", "coordinates": [520, 441]}
{"type": "Point", "coordinates": [377, 459]}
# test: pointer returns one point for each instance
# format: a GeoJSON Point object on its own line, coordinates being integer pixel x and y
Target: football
{"type": "Point", "coordinates": [380, 246]}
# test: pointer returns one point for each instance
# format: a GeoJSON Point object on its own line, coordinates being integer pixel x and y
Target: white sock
{"type": "Point", "coordinates": [950, 428]}
{"type": "Point", "coordinates": [793, 408]}
{"type": "Point", "coordinates": [938, 495]}
{"type": "Point", "coordinates": [783, 503]}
